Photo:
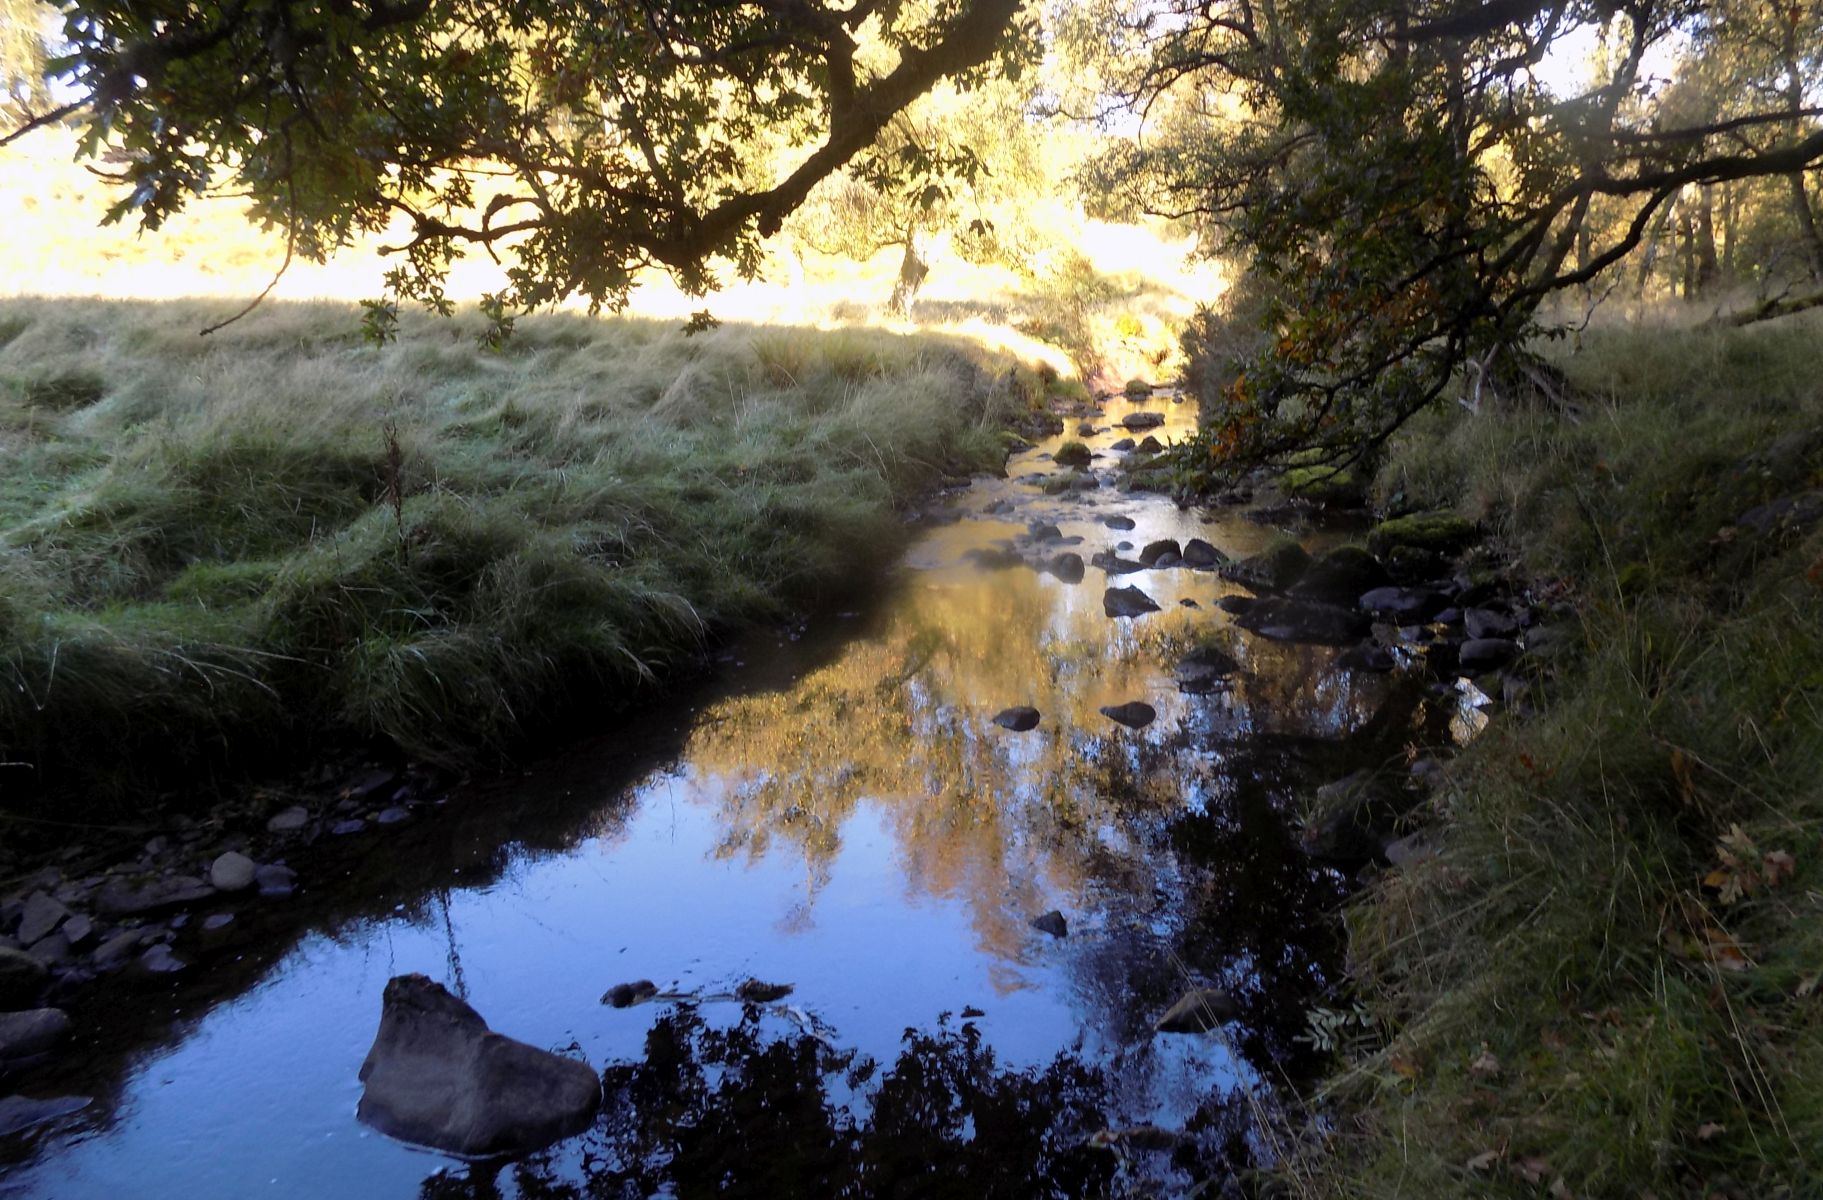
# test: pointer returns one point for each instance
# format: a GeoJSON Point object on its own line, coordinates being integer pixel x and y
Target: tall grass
{"type": "Point", "coordinates": [1607, 982]}
{"type": "Point", "coordinates": [278, 533]}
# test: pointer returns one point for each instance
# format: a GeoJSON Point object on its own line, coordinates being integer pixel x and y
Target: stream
{"type": "Point", "coordinates": [837, 812]}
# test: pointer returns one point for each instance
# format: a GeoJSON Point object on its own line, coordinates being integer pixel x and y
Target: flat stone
{"type": "Point", "coordinates": [1486, 654]}
{"type": "Point", "coordinates": [232, 872]}
{"type": "Point", "coordinates": [1114, 564]}
{"type": "Point", "coordinates": [41, 915]}
{"type": "Point", "coordinates": [344, 828]}
{"type": "Point", "coordinates": [1122, 446]}
{"type": "Point", "coordinates": [755, 991]}
{"type": "Point", "coordinates": [1051, 923]}
{"type": "Point", "coordinates": [1134, 714]}
{"type": "Point", "coordinates": [1143, 420]}
{"type": "Point", "coordinates": [32, 1032]}
{"type": "Point", "coordinates": [1489, 623]}
{"type": "Point", "coordinates": [626, 995]}
{"type": "Point", "coordinates": [1404, 605]}
{"type": "Point", "coordinates": [397, 814]}
{"type": "Point", "coordinates": [22, 977]}
{"type": "Point", "coordinates": [115, 950]}
{"type": "Point", "coordinates": [368, 784]}
{"type": "Point", "coordinates": [1127, 602]}
{"type": "Point", "coordinates": [159, 960]}
{"type": "Point", "coordinates": [77, 929]}
{"type": "Point", "coordinates": [275, 881]}
{"type": "Point", "coordinates": [121, 899]}
{"type": "Point", "coordinates": [1198, 1011]}
{"type": "Point", "coordinates": [1019, 719]}
{"type": "Point", "coordinates": [22, 1112]}
{"type": "Point", "coordinates": [53, 950]}
{"type": "Point", "coordinates": [289, 821]}
{"type": "Point", "coordinates": [438, 1076]}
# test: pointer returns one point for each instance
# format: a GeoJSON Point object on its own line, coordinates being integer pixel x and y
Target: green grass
{"type": "Point", "coordinates": [277, 535]}
{"type": "Point", "coordinates": [1572, 996]}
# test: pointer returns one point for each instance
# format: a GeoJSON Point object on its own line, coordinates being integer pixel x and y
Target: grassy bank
{"type": "Point", "coordinates": [1607, 984]}
{"type": "Point", "coordinates": [279, 534]}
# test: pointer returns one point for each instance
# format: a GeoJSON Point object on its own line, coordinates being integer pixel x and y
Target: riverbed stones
{"type": "Point", "coordinates": [1440, 533]}
{"type": "Point", "coordinates": [1067, 566]}
{"type": "Point", "coordinates": [1272, 570]}
{"type": "Point", "coordinates": [22, 977]}
{"type": "Point", "coordinates": [394, 814]}
{"type": "Point", "coordinates": [53, 950]}
{"type": "Point", "coordinates": [1122, 446]}
{"type": "Point", "coordinates": [1118, 522]}
{"type": "Point", "coordinates": [1019, 718]}
{"type": "Point", "coordinates": [1143, 420]}
{"type": "Point", "coordinates": [1489, 623]}
{"type": "Point", "coordinates": [118, 898]}
{"type": "Point", "coordinates": [349, 826]}
{"type": "Point", "coordinates": [1152, 552]}
{"type": "Point", "coordinates": [31, 1032]}
{"type": "Point", "coordinates": [1404, 605]}
{"type": "Point", "coordinates": [1304, 621]}
{"type": "Point", "coordinates": [1114, 564]}
{"type": "Point", "coordinates": [159, 960]}
{"type": "Point", "coordinates": [1198, 1011]}
{"type": "Point", "coordinates": [275, 881]}
{"type": "Point", "coordinates": [18, 1113]}
{"type": "Point", "coordinates": [1134, 714]}
{"type": "Point", "coordinates": [40, 917]}
{"type": "Point", "coordinates": [626, 995]}
{"type": "Point", "coordinates": [232, 872]}
{"type": "Point", "coordinates": [1127, 602]}
{"type": "Point", "coordinates": [289, 820]}
{"type": "Point", "coordinates": [1203, 668]}
{"type": "Point", "coordinates": [1342, 575]}
{"type": "Point", "coordinates": [1486, 654]}
{"type": "Point", "coordinates": [437, 1076]}
{"type": "Point", "coordinates": [1052, 923]}
{"type": "Point", "coordinates": [1043, 531]}
{"type": "Point", "coordinates": [1201, 555]}
{"type": "Point", "coordinates": [77, 929]}
{"type": "Point", "coordinates": [1071, 454]}
{"type": "Point", "coordinates": [756, 991]}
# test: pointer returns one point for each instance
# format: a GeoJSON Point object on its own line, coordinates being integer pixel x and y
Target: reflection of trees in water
{"type": "Point", "coordinates": [733, 1112]}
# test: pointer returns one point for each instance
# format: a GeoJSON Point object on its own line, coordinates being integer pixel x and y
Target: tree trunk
{"type": "Point", "coordinates": [1686, 238]}
{"type": "Point", "coordinates": [1731, 203]}
{"type": "Point", "coordinates": [1794, 104]}
{"type": "Point", "coordinates": [912, 270]}
{"type": "Point", "coordinates": [1706, 267]}
{"type": "Point", "coordinates": [1807, 224]}
{"type": "Point", "coordinates": [1649, 259]}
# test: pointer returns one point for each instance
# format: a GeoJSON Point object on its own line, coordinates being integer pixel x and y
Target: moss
{"type": "Point", "coordinates": [1137, 389]}
{"type": "Point", "coordinates": [1325, 485]}
{"type": "Point", "coordinates": [1071, 454]}
{"type": "Point", "coordinates": [1439, 532]}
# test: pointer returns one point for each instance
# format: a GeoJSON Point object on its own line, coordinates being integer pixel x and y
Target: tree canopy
{"type": "Point", "coordinates": [583, 139]}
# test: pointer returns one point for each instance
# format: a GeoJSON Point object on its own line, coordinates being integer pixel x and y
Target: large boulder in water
{"type": "Point", "coordinates": [1272, 570]}
{"type": "Point", "coordinates": [438, 1076]}
{"type": "Point", "coordinates": [1127, 602]}
{"type": "Point", "coordinates": [1340, 576]}
{"type": "Point", "coordinates": [1286, 620]}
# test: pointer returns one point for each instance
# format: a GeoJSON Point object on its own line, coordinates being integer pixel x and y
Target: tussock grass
{"type": "Point", "coordinates": [279, 534]}
{"type": "Point", "coordinates": [1607, 983]}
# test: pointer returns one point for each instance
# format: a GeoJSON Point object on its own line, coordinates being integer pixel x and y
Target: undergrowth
{"type": "Point", "coordinates": [1606, 984]}
{"type": "Point", "coordinates": [221, 546]}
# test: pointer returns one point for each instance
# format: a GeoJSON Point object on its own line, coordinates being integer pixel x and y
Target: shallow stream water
{"type": "Point", "coordinates": [840, 814]}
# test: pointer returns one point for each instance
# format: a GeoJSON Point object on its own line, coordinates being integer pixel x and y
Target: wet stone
{"type": "Point", "coordinates": [40, 917]}
{"type": "Point", "coordinates": [158, 960]}
{"type": "Point", "coordinates": [53, 950]}
{"type": "Point", "coordinates": [755, 991]}
{"type": "Point", "coordinates": [1019, 719]}
{"type": "Point", "coordinates": [1154, 551]}
{"type": "Point", "coordinates": [275, 881]}
{"type": "Point", "coordinates": [32, 1032]}
{"type": "Point", "coordinates": [1122, 446]}
{"type": "Point", "coordinates": [1369, 656]}
{"type": "Point", "coordinates": [1306, 621]}
{"type": "Point", "coordinates": [232, 872]}
{"type": "Point", "coordinates": [1134, 714]}
{"type": "Point", "coordinates": [1044, 531]}
{"type": "Point", "coordinates": [1067, 567]}
{"type": "Point", "coordinates": [1486, 654]}
{"type": "Point", "coordinates": [1143, 420]}
{"type": "Point", "coordinates": [1481, 623]}
{"type": "Point", "coordinates": [77, 929]}
{"type": "Point", "coordinates": [23, 1112]}
{"type": "Point", "coordinates": [626, 995]}
{"type": "Point", "coordinates": [1149, 445]}
{"type": "Point", "coordinates": [397, 814]}
{"type": "Point", "coordinates": [289, 821]}
{"type": "Point", "coordinates": [119, 898]}
{"type": "Point", "coordinates": [1052, 923]}
{"type": "Point", "coordinates": [1127, 602]}
{"type": "Point", "coordinates": [1406, 606]}
{"type": "Point", "coordinates": [1200, 554]}
{"type": "Point", "coordinates": [344, 828]}
{"type": "Point", "coordinates": [217, 921]}
{"type": "Point", "coordinates": [1114, 564]}
{"type": "Point", "coordinates": [114, 951]}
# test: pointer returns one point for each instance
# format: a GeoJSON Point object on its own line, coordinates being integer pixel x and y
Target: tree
{"type": "Point", "coordinates": [584, 139]}
{"type": "Point", "coordinates": [22, 90]}
{"type": "Point", "coordinates": [1411, 192]}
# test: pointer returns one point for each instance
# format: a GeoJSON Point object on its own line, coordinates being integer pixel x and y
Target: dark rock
{"type": "Point", "coordinates": [1439, 532]}
{"type": "Point", "coordinates": [1187, 602]}
{"type": "Point", "coordinates": [217, 921]}
{"type": "Point", "coordinates": [1043, 531]}
{"type": "Point", "coordinates": [1237, 605]}
{"type": "Point", "coordinates": [1167, 560]}
{"type": "Point", "coordinates": [1123, 445]}
{"type": "Point", "coordinates": [753, 991]}
{"type": "Point", "coordinates": [232, 872]}
{"type": "Point", "coordinates": [53, 950]}
{"type": "Point", "coordinates": [1149, 445]}
{"type": "Point", "coordinates": [994, 558]}
{"type": "Point", "coordinates": [23, 1112]}
{"type": "Point", "coordinates": [289, 821]}
{"type": "Point", "coordinates": [77, 929]}
{"type": "Point", "coordinates": [1198, 553]}
{"type": "Point", "coordinates": [1143, 420]}
{"type": "Point", "coordinates": [1118, 522]}
{"type": "Point", "coordinates": [1018, 719]}
{"type": "Point", "coordinates": [1127, 602]}
{"type": "Point", "coordinates": [32, 1032]}
{"type": "Point", "coordinates": [1067, 566]}
{"type": "Point", "coordinates": [1202, 669]}
{"type": "Point", "coordinates": [275, 881]}
{"type": "Point", "coordinates": [1340, 576]}
{"type": "Point", "coordinates": [1788, 514]}
{"type": "Point", "coordinates": [1411, 849]}
{"type": "Point", "coordinates": [40, 917]}
{"type": "Point", "coordinates": [397, 814]}
{"type": "Point", "coordinates": [438, 1076]}
{"type": "Point", "coordinates": [1404, 605]}
{"type": "Point", "coordinates": [369, 784]}
{"type": "Point", "coordinates": [626, 995]}
{"type": "Point", "coordinates": [158, 960]}
{"type": "Point", "coordinates": [1486, 654]}
{"type": "Point", "coordinates": [1272, 570]}
{"type": "Point", "coordinates": [1352, 818]}
{"type": "Point", "coordinates": [1071, 454]}
{"type": "Point", "coordinates": [1052, 923]}
{"type": "Point", "coordinates": [1481, 623]}
{"type": "Point", "coordinates": [351, 825]}
{"type": "Point", "coordinates": [1449, 616]}
{"type": "Point", "coordinates": [1307, 621]}
{"type": "Point", "coordinates": [1153, 551]}
{"type": "Point", "coordinates": [114, 951]}
{"type": "Point", "coordinates": [1086, 429]}
{"type": "Point", "coordinates": [1134, 714]}
{"type": "Point", "coordinates": [1198, 1011]}
{"type": "Point", "coordinates": [1410, 564]}
{"type": "Point", "coordinates": [1368, 656]}
{"type": "Point", "coordinates": [1114, 564]}
{"type": "Point", "coordinates": [121, 899]}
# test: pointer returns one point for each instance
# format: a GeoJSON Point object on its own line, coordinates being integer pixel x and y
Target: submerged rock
{"type": "Point", "coordinates": [1067, 566]}
{"type": "Point", "coordinates": [1203, 668]}
{"type": "Point", "coordinates": [626, 995]}
{"type": "Point", "coordinates": [755, 991]}
{"type": "Point", "coordinates": [1143, 420]}
{"type": "Point", "coordinates": [1123, 445]}
{"type": "Point", "coordinates": [1198, 1011]}
{"type": "Point", "coordinates": [1309, 621]}
{"type": "Point", "coordinates": [438, 1076]}
{"type": "Point", "coordinates": [1019, 718]}
{"type": "Point", "coordinates": [121, 899]}
{"type": "Point", "coordinates": [1404, 605]}
{"type": "Point", "coordinates": [1127, 602]}
{"type": "Point", "coordinates": [1486, 654]}
{"type": "Point", "coordinates": [32, 1032]}
{"type": "Point", "coordinates": [23, 1112]}
{"type": "Point", "coordinates": [1051, 923]}
{"type": "Point", "coordinates": [1114, 564]}
{"type": "Point", "coordinates": [1134, 714]}
{"type": "Point", "coordinates": [1118, 522]}
{"type": "Point", "coordinates": [1272, 570]}
{"type": "Point", "coordinates": [1342, 575]}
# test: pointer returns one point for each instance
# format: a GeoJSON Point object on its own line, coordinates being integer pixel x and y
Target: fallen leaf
{"type": "Point", "coordinates": [1531, 1168]}
{"type": "Point", "coordinates": [1483, 1161]}
{"type": "Point", "coordinates": [1485, 1064]}
{"type": "Point", "coordinates": [1779, 864]}
{"type": "Point", "coordinates": [1809, 983]}
{"type": "Point", "coordinates": [1708, 1130]}
{"type": "Point", "coordinates": [1561, 1190]}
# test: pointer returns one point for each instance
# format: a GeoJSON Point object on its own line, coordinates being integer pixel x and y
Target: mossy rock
{"type": "Point", "coordinates": [1440, 532]}
{"type": "Point", "coordinates": [1152, 479]}
{"type": "Point", "coordinates": [1075, 481]}
{"type": "Point", "coordinates": [1137, 388]}
{"type": "Point", "coordinates": [1071, 454]}
{"type": "Point", "coordinates": [1323, 484]}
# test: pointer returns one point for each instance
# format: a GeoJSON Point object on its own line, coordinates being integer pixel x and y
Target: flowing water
{"type": "Point", "coordinates": [838, 814]}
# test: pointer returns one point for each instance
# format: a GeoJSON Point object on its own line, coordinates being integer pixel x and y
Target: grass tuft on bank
{"type": "Point", "coordinates": [1610, 981]}
{"type": "Point", "coordinates": [278, 534]}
